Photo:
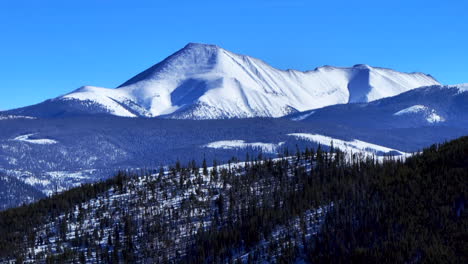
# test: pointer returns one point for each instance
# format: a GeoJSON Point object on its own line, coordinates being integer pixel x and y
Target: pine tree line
{"type": "Point", "coordinates": [257, 210]}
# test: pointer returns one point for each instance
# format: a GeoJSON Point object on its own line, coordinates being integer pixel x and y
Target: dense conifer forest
{"type": "Point", "coordinates": [313, 206]}
{"type": "Point", "coordinates": [14, 192]}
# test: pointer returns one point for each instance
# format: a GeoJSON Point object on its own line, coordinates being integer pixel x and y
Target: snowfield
{"type": "Point", "coordinates": [433, 117]}
{"type": "Point", "coordinates": [35, 181]}
{"type": "Point", "coordinates": [239, 144]}
{"type": "Point", "coordinates": [412, 109]}
{"type": "Point", "coordinates": [350, 146]}
{"type": "Point", "coordinates": [207, 82]}
{"type": "Point", "coordinates": [354, 146]}
{"type": "Point", "coordinates": [27, 138]}
{"type": "Point", "coordinates": [9, 117]}
{"type": "Point", "coordinates": [430, 115]}
{"type": "Point", "coordinates": [302, 117]}
{"type": "Point", "coordinates": [107, 98]}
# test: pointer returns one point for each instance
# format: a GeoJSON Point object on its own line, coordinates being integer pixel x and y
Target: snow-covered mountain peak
{"type": "Point", "coordinates": [195, 45]}
{"type": "Point", "coordinates": [203, 81]}
{"type": "Point", "coordinates": [85, 89]}
{"type": "Point", "coordinates": [193, 58]}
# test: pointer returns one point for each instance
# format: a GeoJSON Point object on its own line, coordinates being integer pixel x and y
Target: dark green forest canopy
{"type": "Point", "coordinates": [411, 211]}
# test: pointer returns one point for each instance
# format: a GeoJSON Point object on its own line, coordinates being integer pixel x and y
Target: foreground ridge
{"type": "Point", "coordinates": [317, 207]}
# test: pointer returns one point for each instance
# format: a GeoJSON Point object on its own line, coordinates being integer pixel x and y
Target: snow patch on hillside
{"type": "Point", "coordinates": [27, 138]}
{"type": "Point", "coordinates": [412, 109]}
{"type": "Point", "coordinates": [430, 115]}
{"type": "Point", "coordinates": [9, 117]}
{"type": "Point", "coordinates": [110, 99]}
{"type": "Point", "coordinates": [302, 117]}
{"type": "Point", "coordinates": [31, 180]}
{"type": "Point", "coordinates": [78, 175]}
{"type": "Point", "coordinates": [433, 117]}
{"type": "Point", "coordinates": [349, 146]}
{"type": "Point", "coordinates": [463, 87]}
{"type": "Point", "coordinates": [240, 144]}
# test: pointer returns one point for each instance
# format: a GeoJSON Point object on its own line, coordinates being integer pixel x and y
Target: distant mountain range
{"type": "Point", "coordinates": [204, 101]}
{"type": "Point", "coordinates": [208, 82]}
{"type": "Point", "coordinates": [426, 106]}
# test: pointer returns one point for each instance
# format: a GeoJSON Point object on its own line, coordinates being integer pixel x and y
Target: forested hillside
{"type": "Point", "coordinates": [61, 153]}
{"type": "Point", "coordinates": [315, 206]}
{"type": "Point", "coordinates": [14, 192]}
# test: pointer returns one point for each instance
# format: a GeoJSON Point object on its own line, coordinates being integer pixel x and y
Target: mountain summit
{"type": "Point", "coordinates": [203, 81]}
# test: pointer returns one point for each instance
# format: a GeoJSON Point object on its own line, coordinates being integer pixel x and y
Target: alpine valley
{"type": "Point", "coordinates": [204, 102]}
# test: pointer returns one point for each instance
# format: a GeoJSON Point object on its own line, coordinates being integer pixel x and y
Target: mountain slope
{"type": "Point", "coordinates": [423, 107]}
{"type": "Point", "coordinates": [14, 192]}
{"type": "Point", "coordinates": [310, 208]}
{"type": "Point", "coordinates": [207, 82]}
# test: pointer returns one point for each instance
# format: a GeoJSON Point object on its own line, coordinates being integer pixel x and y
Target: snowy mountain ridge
{"type": "Point", "coordinates": [438, 105]}
{"type": "Point", "coordinates": [204, 81]}
{"type": "Point", "coordinates": [88, 148]}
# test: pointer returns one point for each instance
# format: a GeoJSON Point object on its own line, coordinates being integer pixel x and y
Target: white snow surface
{"type": "Point", "coordinates": [463, 87]}
{"type": "Point", "coordinates": [433, 117]}
{"type": "Point", "coordinates": [31, 180]}
{"type": "Point", "coordinates": [302, 117]}
{"type": "Point", "coordinates": [207, 82]}
{"type": "Point", "coordinates": [9, 117]}
{"type": "Point", "coordinates": [412, 109]}
{"type": "Point", "coordinates": [239, 144]}
{"type": "Point", "coordinates": [430, 115]}
{"type": "Point", "coordinates": [348, 146]}
{"type": "Point", "coordinates": [27, 138]}
{"type": "Point", "coordinates": [108, 98]}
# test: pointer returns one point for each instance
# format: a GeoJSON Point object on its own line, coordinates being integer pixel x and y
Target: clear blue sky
{"type": "Point", "coordinates": [48, 48]}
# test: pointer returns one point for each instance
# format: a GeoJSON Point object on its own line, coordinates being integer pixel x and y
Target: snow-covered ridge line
{"type": "Point", "coordinates": [302, 117]}
{"type": "Point", "coordinates": [106, 98]}
{"type": "Point", "coordinates": [350, 146]}
{"type": "Point", "coordinates": [8, 117]}
{"type": "Point", "coordinates": [462, 87]}
{"type": "Point", "coordinates": [27, 138]}
{"type": "Point", "coordinates": [240, 144]}
{"type": "Point", "coordinates": [208, 82]}
{"type": "Point", "coordinates": [412, 109]}
{"type": "Point", "coordinates": [430, 115]}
